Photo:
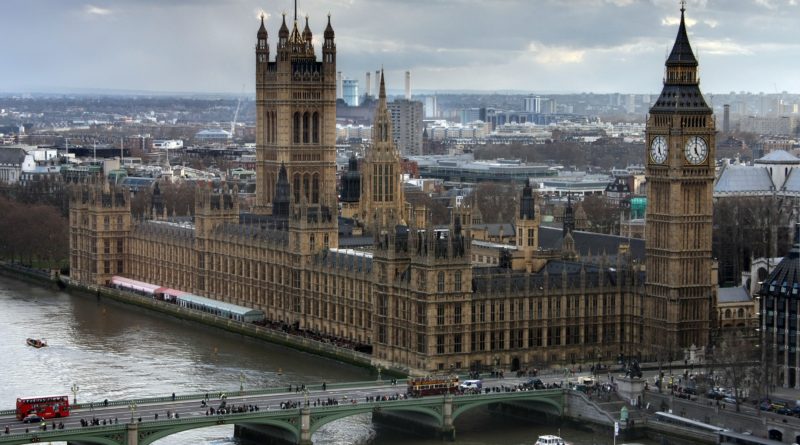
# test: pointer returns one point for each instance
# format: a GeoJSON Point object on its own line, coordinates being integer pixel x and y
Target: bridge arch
{"type": "Point", "coordinates": [318, 422]}
{"type": "Point", "coordinates": [775, 433]}
{"type": "Point", "coordinates": [480, 401]}
{"type": "Point", "coordinates": [155, 435]}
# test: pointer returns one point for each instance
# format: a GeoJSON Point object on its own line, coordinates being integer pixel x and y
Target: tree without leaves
{"type": "Point", "coordinates": [497, 202]}
{"type": "Point", "coordinates": [602, 215]}
{"type": "Point", "coordinates": [735, 361]}
{"type": "Point", "coordinates": [746, 228]}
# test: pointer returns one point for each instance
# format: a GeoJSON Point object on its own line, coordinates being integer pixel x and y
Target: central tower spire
{"type": "Point", "coordinates": [382, 196]}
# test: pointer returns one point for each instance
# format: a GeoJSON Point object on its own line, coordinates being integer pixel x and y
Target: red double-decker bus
{"type": "Point", "coordinates": [46, 407]}
{"type": "Point", "coordinates": [429, 386]}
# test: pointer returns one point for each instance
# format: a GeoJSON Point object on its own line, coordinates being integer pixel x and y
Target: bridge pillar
{"type": "Point", "coordinates": [132, 434]}
{"type": "Point", "coordinates": [448, 431]}
{"type": "Point", "coordinates": [305, 426]}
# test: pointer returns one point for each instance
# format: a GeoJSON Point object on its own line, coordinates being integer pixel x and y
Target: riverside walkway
{"type": "Point", "coordinates": [300, 413]}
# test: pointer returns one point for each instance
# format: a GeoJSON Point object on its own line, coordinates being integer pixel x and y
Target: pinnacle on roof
{"type": "Point", "coordinates": [262, 31]}
{"type": "Point", "coordinates": [307, 31]}
{"type": "Point", "coordinates": [382, 93]}
{"type": "Point", "coordinates": [284, 31]}
{"type": "Point", "coordinates": [329, 28]}
{"type": "Point", "coordinates": [682, 51]}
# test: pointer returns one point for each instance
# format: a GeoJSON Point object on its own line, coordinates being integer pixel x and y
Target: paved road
{"type": "Point", "coordinates": [194, 408]}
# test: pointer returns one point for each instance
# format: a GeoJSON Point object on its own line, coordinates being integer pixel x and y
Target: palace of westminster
{"type": "Point", "coordinates": [411, 291]}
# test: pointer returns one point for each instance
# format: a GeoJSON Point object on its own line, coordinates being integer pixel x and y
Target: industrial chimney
{"type": "Point", "coordinates": [367, 85]}
{"type": "Point", "coordinates": [377, 84]}
{"type": "Point", "coordinates": [339, 94]}
{"type": "Point", "coordinates": [408, 85]}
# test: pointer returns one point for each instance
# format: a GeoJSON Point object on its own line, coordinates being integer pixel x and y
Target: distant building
{"type": "Point", "coordinates": [783, 125]}
{"type": "Point", "coordinates": [466, 169]}
{"type": "Point", "coordinates": [13, 160]}
{"type": "Point", "coordinates": [407, 126]}
{"type": "Point", "coordinates": [350, 92]}
{"type": "Point", "coordinates": [212, 135]}
{"type": "Point", "coordinates": [170, 144]}
{"type": "Point", "coordinates": [431, 107]}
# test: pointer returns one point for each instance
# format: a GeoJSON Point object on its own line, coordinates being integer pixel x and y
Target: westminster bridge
{"type": "Point", "coordinates": [293, 415]}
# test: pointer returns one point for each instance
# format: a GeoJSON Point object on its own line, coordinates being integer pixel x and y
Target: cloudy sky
{"type": "Point", "coordinates": [527, 45]}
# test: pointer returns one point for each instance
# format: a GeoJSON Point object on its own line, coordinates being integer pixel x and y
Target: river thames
{"type": "Point", "coordinates": [114, 351]}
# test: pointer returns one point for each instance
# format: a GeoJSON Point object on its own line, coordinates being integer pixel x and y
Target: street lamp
{"type": "Point", "coordinates": [75, 388]}
{"type": "Point", "coordinates": [132, 407]}
{"type": "Point", "coordinates": [379, 372]}
{"type": "Point", "coordinates": [241, 381]}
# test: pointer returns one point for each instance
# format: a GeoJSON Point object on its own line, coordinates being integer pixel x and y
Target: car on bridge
{"type": "Point", "coordinates": [474, 385]}
{"type": "Point", "coordinates": [32, 418]}
{"type": "Point", "coordinates": [533, 384]}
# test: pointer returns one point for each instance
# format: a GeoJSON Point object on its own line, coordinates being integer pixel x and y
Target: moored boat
{"type": "Point", "coordinates": [36, 343]}
{"type": "Point", "coordinates": [550, 440]}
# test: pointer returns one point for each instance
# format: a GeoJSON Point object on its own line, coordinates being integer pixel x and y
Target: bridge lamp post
{"type": "Point", "coordinates": [241, 381]}
{"type": "Point", "coordinates": [132, 407]}
{"type": "Point", "coordinates": [75, 388]}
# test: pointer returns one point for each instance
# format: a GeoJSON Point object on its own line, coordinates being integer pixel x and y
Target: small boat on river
{"type": "Point", "coordinates": [36, 343]}
{"type": "Point", "coordinates": [550, 440]}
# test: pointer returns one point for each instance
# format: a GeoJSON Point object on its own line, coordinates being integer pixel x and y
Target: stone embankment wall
{"type": "Point", "coordinates": [249, 329]}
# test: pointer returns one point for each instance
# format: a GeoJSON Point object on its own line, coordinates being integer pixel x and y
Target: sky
{"type": "Point", "coordinates": [555, 46]}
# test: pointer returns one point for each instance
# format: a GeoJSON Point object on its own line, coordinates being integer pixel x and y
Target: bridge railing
{"type": "Point", "coordinates": [215, 394]}
{"type": "Point", "coordinates": [42, 436]}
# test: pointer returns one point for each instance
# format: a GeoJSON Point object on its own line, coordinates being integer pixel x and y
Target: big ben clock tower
{"type": "Point", "coordinates": [679, 288]}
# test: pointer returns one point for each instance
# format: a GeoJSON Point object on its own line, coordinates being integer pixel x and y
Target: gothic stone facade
{"type": "Point", "coordinates": [413, 294]}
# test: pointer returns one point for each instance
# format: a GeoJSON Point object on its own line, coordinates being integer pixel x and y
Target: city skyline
{"type": "Point", "coordinates": [508, 45]}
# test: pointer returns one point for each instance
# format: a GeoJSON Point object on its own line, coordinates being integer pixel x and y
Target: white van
{"type": "Point", "coordinates": [471, 384]}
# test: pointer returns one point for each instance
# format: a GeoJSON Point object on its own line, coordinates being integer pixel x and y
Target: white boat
{"type": "Point", "coordinates": [550, 440]}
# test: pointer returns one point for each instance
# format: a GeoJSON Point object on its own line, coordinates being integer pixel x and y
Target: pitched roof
{"type": "Point", "coordinates": [792, 183]}
{"type": "Point", "coordinates": [12, 155]}
{"type": "Point", "coordinates": [682, 51]}
{"type": "Point", "coordinates": [743, 180]}
{"type": "Point", "coordinates": [785, 278]}
{"type": "Point", "coordinates": [778, 157]}
{"type": "Point", "coordinates": [591, 243]}
{"type": "Point", "coordinates": [733, 295]}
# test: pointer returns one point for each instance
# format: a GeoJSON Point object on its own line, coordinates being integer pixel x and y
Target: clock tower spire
{"type": "Point", "coordinates": [679, 288]}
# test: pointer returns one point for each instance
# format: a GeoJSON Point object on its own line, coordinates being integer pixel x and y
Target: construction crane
{"type": "Point", "coordinates": [236, 113]}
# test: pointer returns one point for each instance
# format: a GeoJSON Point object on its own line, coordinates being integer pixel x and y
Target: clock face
{"type": "Point", "coordinates": [696, 150]}
{"type": "Point", "coordinates": [658, 149]}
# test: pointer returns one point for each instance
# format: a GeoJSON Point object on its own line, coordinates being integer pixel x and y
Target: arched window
{"type": "Point", "coordinates": [267, 129]}
{"type": "Point", "coordinates": [296, 128]}
{"type": "Point", "coordinates": [315, 188]}
{"type": "Point", "coordinates": [274, 127]}
{"type": "Point", "coordinates": [306, 128]}
{"type": "Point", "coordinates": [296, 187]}
{"type": "Point", "coordinates": [315, 129]}
{"type": "Point", "coordinates": [740, 313]}
{"type": "Point", "coordinates": [306, 184]}
{"type": "Point", "coordinates": [727, 313]}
